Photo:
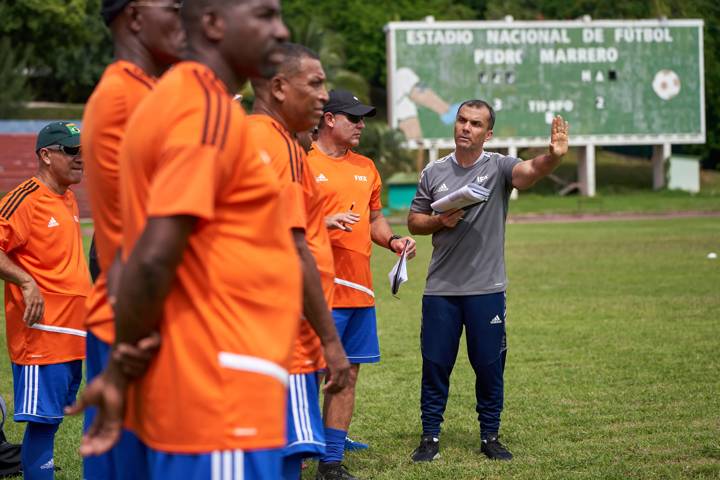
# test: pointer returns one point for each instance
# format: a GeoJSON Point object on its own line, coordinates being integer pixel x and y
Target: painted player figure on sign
{"type": "Point", "coordinates": [466, 279]}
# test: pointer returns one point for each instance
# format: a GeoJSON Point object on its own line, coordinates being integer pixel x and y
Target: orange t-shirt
{"type": "Point", "coordinates": [288, 160]}
{"type": "Point", "coordinates": [40, 232]}
{"type": "Point", "coordinates": [316, 234]}
{"type": "Point", "coordinates": [349, 181]}
{"type": "Point", "coordinates": [121, 88]}
{"type": "Point", "coordinates": [230, 319]}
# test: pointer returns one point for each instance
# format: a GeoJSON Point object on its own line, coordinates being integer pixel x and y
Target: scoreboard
{"type": "Point", "coordinates": [629, 82]}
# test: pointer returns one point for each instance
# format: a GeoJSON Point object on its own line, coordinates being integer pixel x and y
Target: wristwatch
{"type": "Point", "coordinates": [392, 237]}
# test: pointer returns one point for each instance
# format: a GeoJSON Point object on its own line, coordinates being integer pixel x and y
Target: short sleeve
{"type": "Point", "coordinates": [15, 226]}
{"type": "Point", "coordinates": [188, 169]}
{"type": "Point", "coordinates": [506, 165]}
{"type": "Point", "coordinates": [293, 202]}
{"type": "Point", "coordinates": [185, 182]}
{"type": "Point", "coordinates": [286, 162]}
{"type": "Point", "coordinates": [423, 195]}
{"type": "Point", "coordinates": [375, 202]}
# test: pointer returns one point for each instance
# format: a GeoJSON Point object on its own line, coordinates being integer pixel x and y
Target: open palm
{"type": "Point", "coordinates": [559, 137]}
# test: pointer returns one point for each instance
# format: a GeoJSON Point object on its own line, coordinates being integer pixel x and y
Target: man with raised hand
{"type": "Point", "coordinates": [290, 102]}
{"type": "Point", "coordinates": [466, 279]}
{"type": "Point", "coordinates": [207, 258]}
{"type": "Point", "coordinates": [147, 38]}
{"type": "Point", "coordinates": [351, 187]}
{"type": "Point", "coordinates": [46, 284]}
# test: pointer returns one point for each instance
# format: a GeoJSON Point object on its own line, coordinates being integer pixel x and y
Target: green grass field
{"type": "Point", "coordinates": [612, 369]}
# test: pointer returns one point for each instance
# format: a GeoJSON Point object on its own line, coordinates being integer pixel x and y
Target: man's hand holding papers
{"type": "Point", "coordinates": [461, 198]}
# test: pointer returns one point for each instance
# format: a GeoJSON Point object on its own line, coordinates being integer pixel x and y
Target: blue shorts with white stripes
{"type": "Point", "coordinates": [305, 431]}
{"type": "Point", "coordinates": [357, 328]}
{"type": "Point", "coordinates": [221, 465]}
{"type": "Point", "coordinates": [43, 391]}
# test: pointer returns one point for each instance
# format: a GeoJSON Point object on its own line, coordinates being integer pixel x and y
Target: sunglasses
{"type": "Point", "coordinates": [176, 6]}
{"type": "Point", "coordinates": [71, 151]}
{"type": "Point", "coordinates": [352, 118]}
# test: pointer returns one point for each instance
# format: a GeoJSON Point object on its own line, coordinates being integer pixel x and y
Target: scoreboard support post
{"type": "Point", "coordinates": [660, 156]}
{"type": "Point", "coordinates": [586, 170]}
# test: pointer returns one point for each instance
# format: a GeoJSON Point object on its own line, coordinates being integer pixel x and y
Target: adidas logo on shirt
{"type": "Point", "coordinates": [321, 178]}
{"type": "Point", "coordinates": [495, 320]}
{"type": "Point", "coordinates": [443, 188]}
{"type": "Point", "coordinates": [53, 223]}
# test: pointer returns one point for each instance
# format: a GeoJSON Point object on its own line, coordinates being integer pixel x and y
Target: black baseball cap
{"type": "Point", "coordinates": [111, 9]}
{"type": "Point", "coordinates": [58, 133]}
{"type": "Point", "coordinates": [343, 101]}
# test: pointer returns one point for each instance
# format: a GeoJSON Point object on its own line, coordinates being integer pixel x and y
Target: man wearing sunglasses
{"type": "Point", "coordinates": [351, 186]}
{"type": "Point", "coordinates": [147, 38]}
{"type": "Point", "coordinates": [46, 284]}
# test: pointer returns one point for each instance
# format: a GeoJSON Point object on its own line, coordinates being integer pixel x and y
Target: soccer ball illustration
{"type": "Point", "coordinates": [666, 84]}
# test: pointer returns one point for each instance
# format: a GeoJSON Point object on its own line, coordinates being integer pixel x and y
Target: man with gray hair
{"type": "Point", "coordinates": [466, 279]}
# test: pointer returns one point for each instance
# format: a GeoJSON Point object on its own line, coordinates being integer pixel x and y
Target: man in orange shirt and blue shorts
{"type": "Point", "coordinates": [46, 284]}
{"type": "Point", "coordinates": [147, 38]}
{"type": "Point", "coordinates": [290, 102]}
{"type": "Point", "coordinates": [351, 185]}
{"type": "Point", "coordinates": [207, 259]}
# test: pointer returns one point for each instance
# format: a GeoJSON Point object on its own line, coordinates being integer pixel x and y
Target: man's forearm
{"type": "Point", "coordinates": [11, 272]}
{"type": "Point", "coordinates": [380, 231]}
{"type": "Point", "coordinates": [148, 275]}
{"type": "Point", "coordinates": [315, 308]}
{"type": "Point", "coordinates": [423, 224]}
{"type": "Point", "coordinates": [545, 164]}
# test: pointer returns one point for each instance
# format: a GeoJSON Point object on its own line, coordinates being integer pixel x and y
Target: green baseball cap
{"type": "Point", "coordinates": [58, 133]}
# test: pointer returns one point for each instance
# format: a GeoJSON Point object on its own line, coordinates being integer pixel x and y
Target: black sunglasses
{"type": "Point", "coordinates": [72, 151]}
{"type": "Point", "coordinates": [352, 118]}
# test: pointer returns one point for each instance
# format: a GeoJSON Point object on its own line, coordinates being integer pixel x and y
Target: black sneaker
{"type": "Point", "coordinates": [333, 471]}
{"type": "Point", "coordinates": [494, 450]}
{"type": "Point", "coordinates": [428, 450]}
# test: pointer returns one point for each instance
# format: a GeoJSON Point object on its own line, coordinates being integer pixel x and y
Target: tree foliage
{"type": "Point", "coordinates": [68, 44]}
{"type": "Point", "coordinates": [361, 24]}
{"type": "Point", "coordinates": [382, 144]}
{"type": "Point", "coordinates": [12, 76]}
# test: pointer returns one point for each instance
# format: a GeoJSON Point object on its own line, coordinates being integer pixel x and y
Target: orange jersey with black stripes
{"type": "Point", "coordinates": [349, 181]}
{"type": "Point", "coordinates": [232, 314]}
{"type": "Point", "coordinates": [40, 232]}
{"type": "Point", "coordinates": [316, 233]}
{"type": "Point", "coordinates": [119, 91]}
{"type": "Point", "coordinates": [287, 158]}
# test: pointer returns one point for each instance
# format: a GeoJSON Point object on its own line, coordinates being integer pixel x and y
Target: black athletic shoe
{"type": "Point", "coordinates": [494, 450]}
{"type": "Point", "coordinates": [428, 450]}
{"type": "Point", "coordinates": [333, 471]}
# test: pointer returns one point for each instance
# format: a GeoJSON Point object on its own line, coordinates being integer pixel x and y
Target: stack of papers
{"type": "Point", "coordinates": [398, 275]}
{"type": "Point", "coordinates": [464, 197]}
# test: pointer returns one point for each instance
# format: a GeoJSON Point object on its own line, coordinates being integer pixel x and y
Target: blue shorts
{"type": "Point", "coordinates": [43, 391]}
{"type": "Point", "coordinates": [357, 328]}
{"type": "Point", "coordinates": [113, 464]}
{"type": "Point", "coordinates": [220, 465]}
{"type": "Point", "coordinates": [305, 431]}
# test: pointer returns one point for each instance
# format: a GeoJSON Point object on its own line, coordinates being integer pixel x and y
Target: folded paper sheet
{"type": "Point", "coordinates": [398, 274]}
{"type": "Point", "coordinates": [461, 198]}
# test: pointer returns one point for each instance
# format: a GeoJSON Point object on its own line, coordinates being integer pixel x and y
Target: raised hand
{"type": "Point", "coordinates": [559, 137]}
